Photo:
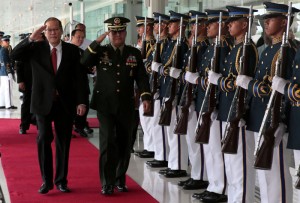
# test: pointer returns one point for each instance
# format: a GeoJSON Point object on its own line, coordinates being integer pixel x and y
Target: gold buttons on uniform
{"type": "Point", "coordinates": [266, 54]}
{"type": "Point", "coordinates": [295, 78]}
{"type": "Point", "coordinates": [118, 81]}
{"type": "Point", "coordinates": [118, 73]}
{"type": "Point", "coordinates": [297, 66]}
{"type": "Point", "coordinates": [118, 90]}
{"type": "Point", "coordinates": [262, 62]}
{"type": "Point", "coordinates": [118, 65]}
{"type": "Point", "coordinates": [272, 47]}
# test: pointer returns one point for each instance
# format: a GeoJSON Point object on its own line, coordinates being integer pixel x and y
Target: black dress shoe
{"type": "Point", "coordinates": [175, 173]}
{"type": "Point", "coordinates": [22, 131]}
{"type": "Point", "coordinates": [12, 107]}
{"type": "Point", "coordinates": [2, 107]}
{"type": "Point", "coordinates": [145, 154]}
{"type": "Point", "coordinates": [88, 130]}
{"type": "Point", "coordinates": [81, 132]}
{"type": "Point", "coordinates": [164, 171]}
{"type": "Point", "coordinates": [200, 195]}
{"type": "Point", "coordinates": [214, 197]}
{"type": "Point", "coordinates": [63, 188]}
{"type": "Point", "coordinates": [157, 164]}
{"type": "Point", "coordinates": [44, 189]}
{"type": "Point", "coordinates": [122, 188]}
{"type": "Point", "coordinates": [183, 182]}
{"type": "Point", "coordinates": [107, 189]}
{"type": "Point", "coordinates": [195, 185]}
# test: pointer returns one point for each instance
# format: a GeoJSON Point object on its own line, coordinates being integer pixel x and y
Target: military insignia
{"type": "Point", "coordinates": [105, 59]}
{"type": "Point", "coordinates": [297, 94]}
{"type": "Point", "coordinates": [117, 21]}
{"type": "Point", "coordinates": [131, 61]}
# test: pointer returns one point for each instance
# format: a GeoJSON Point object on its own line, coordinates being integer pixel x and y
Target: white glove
{"type": "Point", "coordinates": [156, 95]}
{"type": "Point", "coordinates": [213, 77]}
{"type": "Point", "coordinates": [175, 72]}
{"type": "Point", "coordinates": [144, 60]}
{"type": "Point", "coordinates": [10, 76]}
{"type": "Point", "coordinates": [279, 133]}
{"type": "Point", "coordinates": [155, 66]}
{"type": "Point", "coordinates": [213, 116]}
{"type": "Point", "coordinates": [278, 84]}
{"type": "Point", "coordinates": [191, 77]}
{"type": "Point", "coordinates": [242, 123]}
{"type": "Point", "coordinates": [243, 81]}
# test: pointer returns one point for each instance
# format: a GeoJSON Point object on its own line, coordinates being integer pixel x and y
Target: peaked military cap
{"type": "Point", "coordinates": [193, 14]}
{"type": "Point", "coordinates": [213, 15]}
{"type": "Point", "coordinates": [117, 23]}
{"type": "Point", "coordinates": [274, 10]}
{"type": "Point", "coordinates": [6, 38]}
{"type": "Point", "coordinates": [163, 17]}
{"type": "Point", "coordinates": [1, 34]}
{"type": "Point", "coordinates": [236, 13]}
{"type": "Point", "coordinates": [22, 36]}
{"type": "Point", "coordinates": [175, 17]}
{"type": "Point", "coordinates": [140, 20]}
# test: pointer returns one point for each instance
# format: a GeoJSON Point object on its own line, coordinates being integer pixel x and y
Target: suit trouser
{"type": "Point", "coordinates": [6, 94]}
{"type": "Point", "coordinates": [276, 184]}
{"type": "Point", "coordinates": [195, 150]}
{"type": "Point", "coordinates": [146, 126]}
{"type": "Point", "coordinates": [214, 160]}
{"type": "Point", "coordinates": [297, 165]}
{"type": "Point", "coordinates": [26, 116]}
{"type": "Point", "coordinates": [115, 144]}
{"type": "Point", "coordinates": [159, 135]}
{"type": "Point", "coordinates": [63, 128]}
{"type": "Point", "coordinates": [239, 169]}
{"type": "Point", "coordinates": [178, 156]}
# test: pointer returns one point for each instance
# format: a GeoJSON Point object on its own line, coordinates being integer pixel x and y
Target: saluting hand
{"type": "Point", "coordinates": [36, 35]}
{"type": "Point", "coordinates": [146, 106]}
{"type": "Point", "coordinates": [102, 37]}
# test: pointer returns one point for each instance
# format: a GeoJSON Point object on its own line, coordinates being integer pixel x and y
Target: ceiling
{"type": "Point", "coordinates": [23, 15]}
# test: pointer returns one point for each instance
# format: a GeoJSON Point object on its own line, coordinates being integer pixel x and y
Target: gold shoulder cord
{"type": "Point", "coordinates": [150, 50]}
{"type": "Point", "coordinates": [273, 65]}
{"type": "Point", "coordinates": [171, 57]}
{"type": "Point", "coordinates": [237, 60]}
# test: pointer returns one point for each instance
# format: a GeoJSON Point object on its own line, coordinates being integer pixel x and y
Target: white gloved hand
{"type": "Point", "coordinates": [213, 77]}
{"type": "Point", "coordinates": [144, 60]}
{"type": "Point", "coordinates": [243, 81]}
{"type": "Point", "coordinates": [278, 84]}
{"type": "Point", "coordinates": [10, 76]}
{"type": "Point", "coordinates": [242, 123]}
{"type": "Point", "coordinates": [156, 96]}
{"type": "Point", "coordinates": [279, 133]}
{"type": "Point", "coordinates": [213, 116]}
{"type": "Point", "coordinates": [175, 72]}
{"type": "Point", "coordinates": [155, 66]}
{"type": "Point", "coordinates": [191, 77]}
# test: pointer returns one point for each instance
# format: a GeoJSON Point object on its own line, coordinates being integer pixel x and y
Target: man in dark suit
{"type": "Point", "coordinates": [58, 89]}
{"type": "Point", "coordinates": [118, 66]}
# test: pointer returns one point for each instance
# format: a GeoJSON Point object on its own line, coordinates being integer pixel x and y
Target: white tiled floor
{"type": "Point", "coordinates": [162, 189]}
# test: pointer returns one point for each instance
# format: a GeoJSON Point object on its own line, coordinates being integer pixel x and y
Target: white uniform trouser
{"type": "Point", "coordinates": [297, 164]}
{"type": "Point", "coordinates": [6, 92]}
{"type": "Point", "coordinates": [214, 160]}
{"type": "Point", "coordinates": [239, 169]}
{"type": "Point", "coordinates": [178, 156]}
{"type": "Point", "coordinates": [276, 184]}
{"type": "Point", "coordinates": [159, 135]}
{"type": "Point", "coordinates": [195, 150]}
{"type": "Point", "coordinates": [146, 126]}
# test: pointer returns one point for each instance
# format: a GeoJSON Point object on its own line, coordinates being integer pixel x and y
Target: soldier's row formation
{"type": "Point", "coordinates": [220, 106]}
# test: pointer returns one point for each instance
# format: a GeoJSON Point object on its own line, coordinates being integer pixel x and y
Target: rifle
{"type": "Point", "coordinates": [144, 42]}
{"type": "Point", "coordinates": [264, 151]}
{"type": "Point", "coordinates": [166, 109]}
{"type": "Point", "coordinates": [209, 102]}
{"type": "Point", "coordinates": [154, 75]}
{"type": "Point", "coordinates": [297, 184]}
{"type": "Point", "coordinates": [237, 108]}
{"type": "Point", "coordinates": [187, 94]}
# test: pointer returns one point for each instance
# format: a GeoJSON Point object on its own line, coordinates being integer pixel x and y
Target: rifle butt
{"type": "Point", "coordinates": [203, 130]}
{"type": "Point", "coordinates": [181, 127]}
{"type": "Point", "coordinates": [166, 115]}
{"type": "Point", "coordinates": [230, 144]}
{"type": "Point", "coordinates": [264, 156]}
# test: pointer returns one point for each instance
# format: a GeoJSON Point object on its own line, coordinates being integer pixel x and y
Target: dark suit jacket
{"type": "Point", "coordinates": [69, 81]}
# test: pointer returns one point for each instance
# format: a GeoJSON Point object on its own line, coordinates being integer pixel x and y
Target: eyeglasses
{"type": "Point", "coordinates": [52, 30]}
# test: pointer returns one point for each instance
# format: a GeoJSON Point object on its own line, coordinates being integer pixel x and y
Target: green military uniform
{"type": "Point", "coordinates": [113, 98]}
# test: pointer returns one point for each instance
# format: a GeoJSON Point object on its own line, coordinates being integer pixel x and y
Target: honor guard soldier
{"type": "Point", "coordinates": [146, 33]}
{"type": "Point", "coordinates": [177, 161]}
{"type": "Point", "coordinates": [198, 179]}
{"type": "Point", "coordinates": [1, 34]}
{"type": "Point", "coordinates": [118, 66]}
{"type": "Point", "coordinates": [275, 184]}
{"type": "Point", "coordinates": [213, 156]}
{"type": "Point", "coordinates": [159, 135]}
{"type": "Point", "coordinates": [6, 75]}
{"type": "Point", "coordinates": [241, 180]}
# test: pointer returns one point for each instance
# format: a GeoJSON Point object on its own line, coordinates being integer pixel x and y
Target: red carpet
{"type": "Point", "coordinates": [93, 122]}
{"type": "Point", "coordinates": [19, 160]}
